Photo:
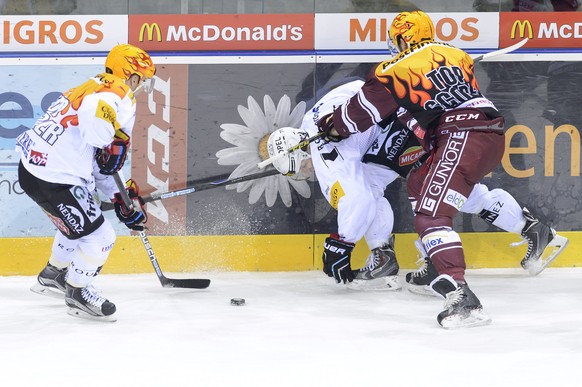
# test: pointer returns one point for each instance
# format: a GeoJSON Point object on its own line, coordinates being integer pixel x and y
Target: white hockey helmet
{"type": "Point", "coordinates": [281, 140]}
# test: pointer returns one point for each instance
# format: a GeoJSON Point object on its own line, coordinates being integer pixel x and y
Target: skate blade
{"type": "Point", "coordinates": [553, 249]}
{"type": "Point", "coordinates": [476, 319]}
{"type": "Point", "coordinates": [421, 290]}
{"type": "Point", "coordinates": [389, 283]}
{"type": "Point", "coordinates": [46, 291]}
{"type": "Point", "coordinates": [84, 315]}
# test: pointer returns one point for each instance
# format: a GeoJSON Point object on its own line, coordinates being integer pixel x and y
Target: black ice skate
{"type": "Point", "coordinates": [380, 272]}
{"type": "Point", "coordinates": [419, 280]}
{"type": "Point", "coordinates": [87, 303]}
{"type": "Point", "coordinates": [51, 282]}
{"type": "Point", "coordinates": [462, 307]}
{"type": "Point", "coordinates": [539, 238]}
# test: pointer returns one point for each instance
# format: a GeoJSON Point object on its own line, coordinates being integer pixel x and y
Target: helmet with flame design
{"type": "Point", "coordinates": [409, 28]}
{"type": "Point", "coordinates": [125, 60]}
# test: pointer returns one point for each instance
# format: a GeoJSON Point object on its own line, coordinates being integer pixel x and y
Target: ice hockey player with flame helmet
{"type": "Point", "coordinates": [353, 175]}
{"type": "Point", "coordinates": [432, 88]}
{"type": "Point", "coordinates": [74, 149]}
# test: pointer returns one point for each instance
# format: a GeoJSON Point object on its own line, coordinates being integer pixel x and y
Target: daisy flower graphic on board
{"type": "Point", "coordinates": [247, 140]}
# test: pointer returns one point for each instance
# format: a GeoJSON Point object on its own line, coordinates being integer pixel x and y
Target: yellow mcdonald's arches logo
{"type": "Point", "coordinates": [522, 27]}
{"type": "Point", "coordinates": [150, 28]}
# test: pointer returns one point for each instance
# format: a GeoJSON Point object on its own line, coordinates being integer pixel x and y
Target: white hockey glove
{"type": "Point", "coordinates": [281, 140]}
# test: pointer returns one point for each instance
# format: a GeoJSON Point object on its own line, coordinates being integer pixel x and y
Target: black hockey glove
{"type": "Point", "coordinates": [336, 259]}
{"type": "Point", "coordinates": [111, 158]}
{"type": "Point", "coordinates": [135, 217]}
{"type": "Point", "coordinates": [325, 125]}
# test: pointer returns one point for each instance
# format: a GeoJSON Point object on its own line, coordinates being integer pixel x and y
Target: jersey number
{"type": "Point", "coordinates": [47, 127]}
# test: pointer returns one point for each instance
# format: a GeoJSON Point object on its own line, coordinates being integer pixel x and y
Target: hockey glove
{"type": "Point", "coordinates": [336, 259]}
{"type": "Point", "coordinates": [111, 158]}
{"type": "Point", "coordinates": [325, 125]}
{"type": "Point", "coordinates": [134, 217]}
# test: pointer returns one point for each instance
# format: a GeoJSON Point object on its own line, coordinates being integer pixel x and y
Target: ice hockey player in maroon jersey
{"type": "Point", "coordinates": [433, 89]}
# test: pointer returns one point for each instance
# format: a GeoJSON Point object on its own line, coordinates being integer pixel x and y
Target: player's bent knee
{"type": "Point", "coordinates": [96, 246]}
{"type": "Point", "coordinates": [480, 195]}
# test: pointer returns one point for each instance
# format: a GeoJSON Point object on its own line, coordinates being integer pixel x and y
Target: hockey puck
{"type": "Point", "coordinates": [237, 301]}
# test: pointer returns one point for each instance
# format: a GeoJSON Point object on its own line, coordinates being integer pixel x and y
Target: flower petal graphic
{"type": "Point", "coordinates": [256, 191]}
{"type": "Point", "coordinates": [253, 117]}
{"type": "Point", "coordinates": [246, 168]}
{"type": "Point", "coordinates": [245, 153]}
{"type": "Point", "coordinates": [241, 187]}
{"type": "Point", "coordinates": [241, 141]}
{"type": "Point", "coordinates": [296, 116]}
{"type": "Point", "coordinates": [285, 191]}
{"type": "Point", "coordinates": [282, 114]}
{"type": "Point", "coordinates": [236, 128]}
{"type": "Point", "coordinates": [270, 114]}
{"type": "Point", "coordinates": [271, 191]}
{"type": "Point", "coordinates": [302, 187]}
{"type": "Point", "coordinates": [233, 156]}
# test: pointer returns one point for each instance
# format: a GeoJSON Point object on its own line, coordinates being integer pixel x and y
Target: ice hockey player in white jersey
{"type": "Point", "coordinates": [74, 148]}
{"type": "Point", "coordinates": [353, 175]}
{"type": "Point", "coordinates": [354, 188]}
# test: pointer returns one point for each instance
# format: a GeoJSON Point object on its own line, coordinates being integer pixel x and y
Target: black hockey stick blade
{"type": "Point", "coordinates": [188, 283]}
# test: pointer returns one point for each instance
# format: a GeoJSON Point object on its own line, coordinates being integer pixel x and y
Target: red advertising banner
{"type": "Point", "coordinates": [544, 29]}
{"type": "Point", "coordinates": [61, 32]}
{"type": "Point", "coordinates": [159, 147]}
{"type": "Point", "coordinates": [222, 32]}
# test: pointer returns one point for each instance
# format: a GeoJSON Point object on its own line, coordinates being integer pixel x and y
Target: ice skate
{"type": "Point", "coordinates": [88, 304]}
{"type": "Point", "coordinates": [51, 282]}
{"type": "Point", "coordinates": [380, 272]}
{"type": "Point", "coordinates": [543, 244]}
{"type": "Point", "coordinates": [418, 282]}
{"type": "Point", "coordinates": [462, 308]}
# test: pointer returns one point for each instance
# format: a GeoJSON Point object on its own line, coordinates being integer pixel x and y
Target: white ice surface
{"type": "Point", "coordinates": [296, 329]}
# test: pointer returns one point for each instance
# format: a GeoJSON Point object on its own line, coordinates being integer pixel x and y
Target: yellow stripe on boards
{"type": "Point", "coordinates": [27, 256]}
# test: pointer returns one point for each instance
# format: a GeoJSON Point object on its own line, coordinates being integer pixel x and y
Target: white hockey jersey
{"type": "Point", "coordinates": [348, 152]}
{"type": "Point", "coordinates": [60, 147]}
{"type": "Point", "coordinates": [352, 187]}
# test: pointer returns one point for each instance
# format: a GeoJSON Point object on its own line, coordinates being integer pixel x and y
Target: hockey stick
{"type": "Point", "coordinates": [192, 283]}
{"type": "Point", "coordinates": [300, 145]}
{"type": "Point", "coordinates": [505, 50]}
{"type": "Point", "coordinates": [199, 185]}
{"type": "Point", "coordinates": [204, 184]}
